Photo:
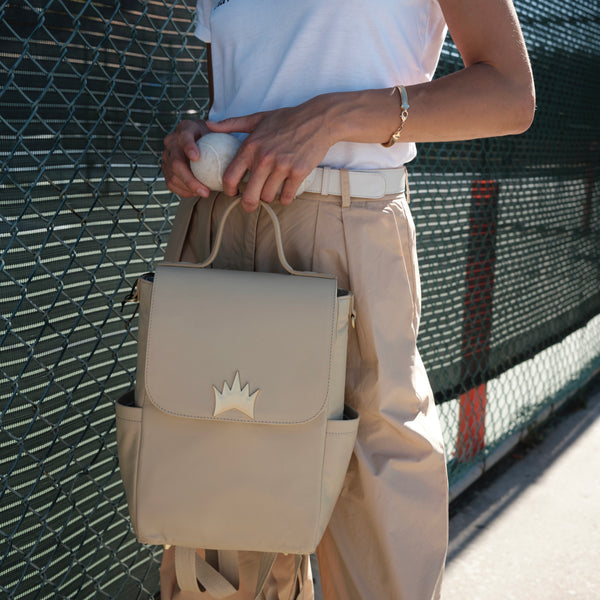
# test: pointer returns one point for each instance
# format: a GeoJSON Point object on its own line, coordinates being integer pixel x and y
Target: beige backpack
{"type": "Point", "coordinates": [236, 437]}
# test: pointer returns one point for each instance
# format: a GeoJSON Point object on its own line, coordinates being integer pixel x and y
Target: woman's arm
{"type": "Point", "coordinates": [493, 95]}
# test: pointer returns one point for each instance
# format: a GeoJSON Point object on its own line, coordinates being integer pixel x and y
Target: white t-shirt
{"type": "Point", "coordinates": [272, 53]}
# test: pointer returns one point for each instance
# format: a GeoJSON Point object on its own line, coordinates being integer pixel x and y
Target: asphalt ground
{"type": "Point", "coordinates": [530, 528]}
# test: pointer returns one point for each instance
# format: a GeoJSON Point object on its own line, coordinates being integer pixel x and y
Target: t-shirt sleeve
{"type": "Point", "coordinates": [203, 10]}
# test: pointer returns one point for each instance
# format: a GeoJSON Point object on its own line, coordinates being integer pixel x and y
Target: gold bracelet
{"type": "Point", "coordinates": [395, 137]}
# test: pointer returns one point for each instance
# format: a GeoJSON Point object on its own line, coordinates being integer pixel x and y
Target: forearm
{"type": "Point", "coordinates": [472, 103]}
{"type": "Point", "coordinates": [493, 95]}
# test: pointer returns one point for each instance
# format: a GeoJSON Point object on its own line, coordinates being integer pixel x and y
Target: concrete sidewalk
{"type": "Point", "coordinates": [530, 530]}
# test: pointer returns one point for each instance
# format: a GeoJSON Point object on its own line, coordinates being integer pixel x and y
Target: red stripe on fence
{"type": "Point", "coordinates": [477, 317]}
{"type": "Point", "coordinates": [471, 423]}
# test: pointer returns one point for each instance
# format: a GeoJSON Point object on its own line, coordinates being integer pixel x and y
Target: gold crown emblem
{"type": "Point", "coordinates": [234, 397]}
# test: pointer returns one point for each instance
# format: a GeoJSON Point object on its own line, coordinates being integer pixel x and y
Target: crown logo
{"type": "Point", "coordinates": [234, 397]}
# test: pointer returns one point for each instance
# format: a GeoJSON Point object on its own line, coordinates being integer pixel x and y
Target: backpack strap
{"type": "Point", "coordinates": [195, 574]}
{"type": "Point", "coordinates": [301, 562]}
{"type": "Point", "coordinates": [191, 570]}
{"type": "Point", "coordinates": [267, 560]}
{"type": "Point", "coordinates": [228, 566]}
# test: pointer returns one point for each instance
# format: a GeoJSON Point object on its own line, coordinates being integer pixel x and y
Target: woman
{"type": "Point", "coordinates": [347, 86]}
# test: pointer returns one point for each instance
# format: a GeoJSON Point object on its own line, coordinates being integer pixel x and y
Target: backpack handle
{"type": "Point", "coordinates": [278, 241]}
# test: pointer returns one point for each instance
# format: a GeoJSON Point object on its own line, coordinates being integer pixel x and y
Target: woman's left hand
{"type": "Point", "coordinates": [282, 148]}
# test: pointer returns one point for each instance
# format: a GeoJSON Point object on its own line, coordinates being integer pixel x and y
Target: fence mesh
{"type": "Point", "coordinates": [508, 239]}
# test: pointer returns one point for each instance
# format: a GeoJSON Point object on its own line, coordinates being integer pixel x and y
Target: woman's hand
{"type": "Point", "coordinates": [282, 148]}
{"type": "Point", "coordinates": [180, 148]}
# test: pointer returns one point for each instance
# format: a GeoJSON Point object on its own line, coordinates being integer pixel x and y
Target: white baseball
{"type": "Point", "coordinates": [216, 152]}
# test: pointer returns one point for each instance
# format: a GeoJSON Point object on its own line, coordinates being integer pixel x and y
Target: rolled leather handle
{"type": "Point", "coordinates": [278, 241]}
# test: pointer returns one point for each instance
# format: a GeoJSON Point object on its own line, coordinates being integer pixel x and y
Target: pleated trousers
{"type": "Point", "coordinates": [387, 538]}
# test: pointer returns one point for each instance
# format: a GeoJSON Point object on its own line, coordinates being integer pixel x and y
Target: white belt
{"type": "Point", "coordinates": [356, 184]}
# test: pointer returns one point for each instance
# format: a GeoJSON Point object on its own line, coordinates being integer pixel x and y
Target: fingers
{"type": "Point", "coordinates": [291, 185]}
{"type": "Point", "coordinates": [255, 189]}
{"type": "Point", "coordinates": [236, 170]}
{"type": "Point", "coordinates": [271, 173]}
{"type": "Point", "coordinates": [282, 148]}
{"type": "Point", "coordinates": [282, 182]}
{"type": "Point", "coordinates": [180, 148]}
{"type": "Point", "coordinates": [245, 124]}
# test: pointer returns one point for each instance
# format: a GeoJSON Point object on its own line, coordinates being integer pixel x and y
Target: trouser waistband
{"type": "Point", "coordinates": [361, 184]}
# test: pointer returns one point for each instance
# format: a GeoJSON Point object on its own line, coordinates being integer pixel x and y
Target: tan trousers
{"type": "Point", "coordinates": [388, 535]}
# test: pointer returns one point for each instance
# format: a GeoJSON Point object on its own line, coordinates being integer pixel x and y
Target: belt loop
{"type": "Point", "coordinates": [406, 188]}
{"type": "Point", "coordinates": [345, 187]}
{"type": "Point", "coordinates": [325, 181]}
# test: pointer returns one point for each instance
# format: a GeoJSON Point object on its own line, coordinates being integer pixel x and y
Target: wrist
{"type": "Point", "coordinates": [343, 113]}
{"type": "Point", "coordinates": [329, 109]}
{"type": "Point", "coordinates": [367, 116]}
{"type": "Point", "coordinates": [404, 106]}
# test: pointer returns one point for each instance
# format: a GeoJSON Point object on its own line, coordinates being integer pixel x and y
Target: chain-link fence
{"type": "Point", "coordinates": [509, 253]}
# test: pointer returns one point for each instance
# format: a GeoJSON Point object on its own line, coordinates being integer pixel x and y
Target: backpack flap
{"type": "Point", "coordinates": [240, 346]}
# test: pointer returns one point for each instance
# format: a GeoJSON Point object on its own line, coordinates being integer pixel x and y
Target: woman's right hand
{"type": "Point", "coordinates": [180, 148]}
